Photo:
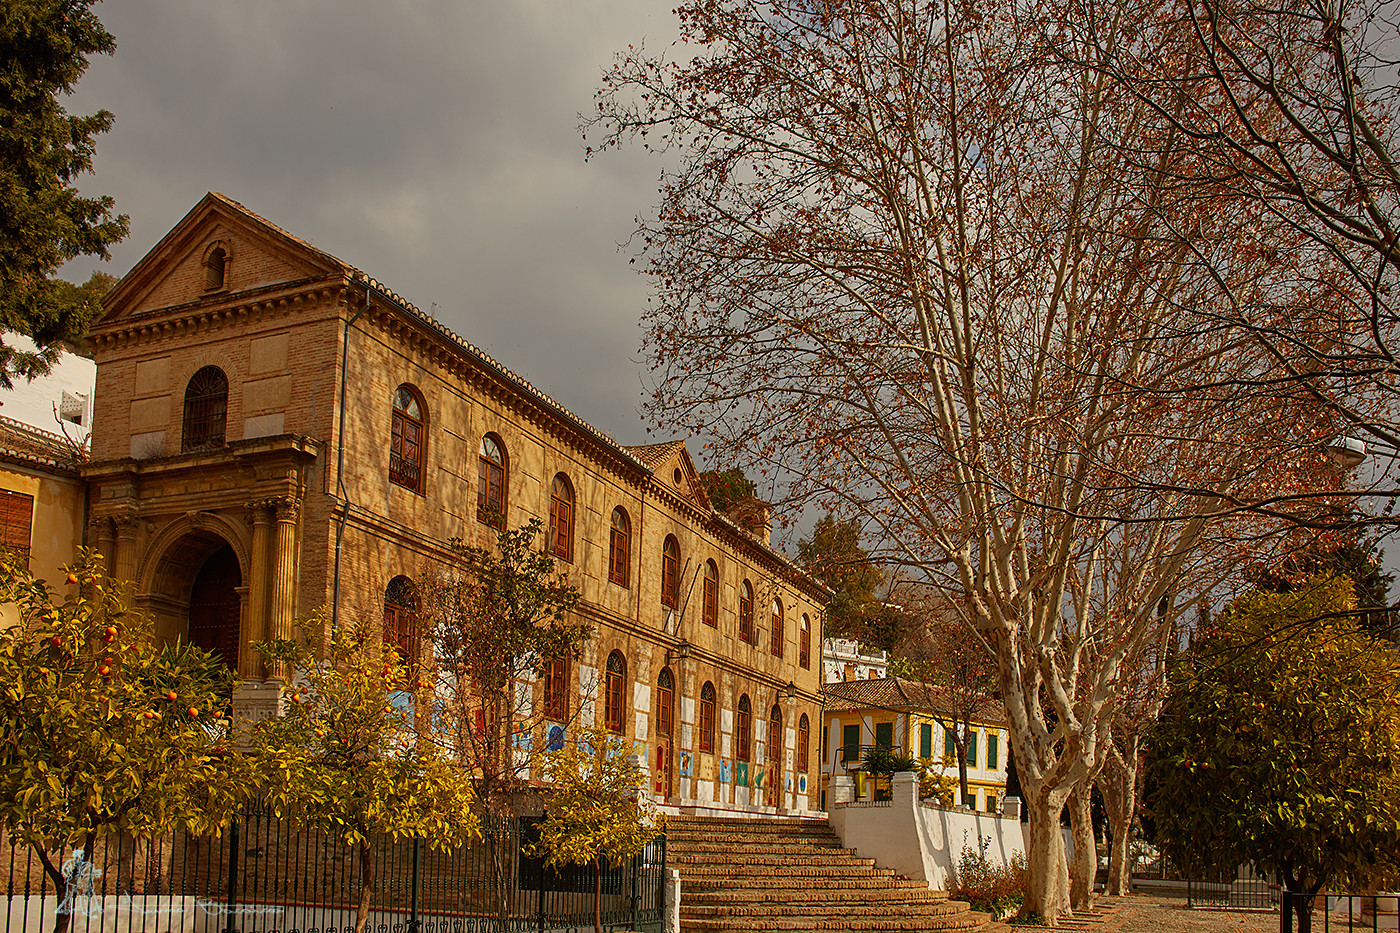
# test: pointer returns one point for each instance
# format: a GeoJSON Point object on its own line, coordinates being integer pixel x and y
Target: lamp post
{"type": "Point", "coordinates": [677, 654]}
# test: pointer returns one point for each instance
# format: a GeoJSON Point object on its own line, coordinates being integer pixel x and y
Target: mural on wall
{"type": "Point", "coordinates": [555, 738]}
{"type": "Point", "coordinates": [640, 750]}
{"type": "Point", "coordinates": [802, 783]}
{"type": "Point", "coordinates": [741, 773]}
{"type": "Point", "coordinates": [724, 772]}
{"type": "Point", "coordinates": [687, 763]}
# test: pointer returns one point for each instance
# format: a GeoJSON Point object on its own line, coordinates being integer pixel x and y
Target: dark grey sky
{"type": "Point", "coordinates": [432, 143]}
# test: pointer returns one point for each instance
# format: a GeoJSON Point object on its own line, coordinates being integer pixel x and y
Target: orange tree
{"type": "Point", "coordinates": [1276, 745]}
{"type": "Point", "coordinates": [597, 811]}
{"type": "Point", "coordinates": [344, 759]}
{"type": "Point", "coordinates": [104, 729]}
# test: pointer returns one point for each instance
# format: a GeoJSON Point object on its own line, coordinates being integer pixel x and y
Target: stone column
{"type": "Point", "coordinates": [284, 578]}
{"type": "Point", "coordinates": [257, 592]}
{"type": "Point", "coordinates": [104, 540]}
{"type": "Point", "coordinates": [126, 549]}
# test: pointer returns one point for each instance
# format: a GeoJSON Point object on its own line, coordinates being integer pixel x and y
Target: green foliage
{"type": "Point", "coordinates": [834, 556]}
{"type": "Point", "coordinates": [887, 761]}
{"type": "Point", "coordinates": [996, 889]}
{"type": "Point", "coordinates": [345, 759]}
{"type": "Point", "coordinates": [1277, 743]}
{"type": "Point", "coordinates": [596, 811]}
{"type": "Point", "coordinates": [1358, 561]}
{"type": "Point", "coordinates": [105, 730]}
{"type": "Point", "coordinates": [727, 488]}
{"type": "Point", "coordinates": [44, 49]}
{"type": "Point", "coordinates": [501, 618]}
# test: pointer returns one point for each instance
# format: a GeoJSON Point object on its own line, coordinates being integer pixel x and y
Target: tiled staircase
{"type": "Point", "coordinates": [792, 874]}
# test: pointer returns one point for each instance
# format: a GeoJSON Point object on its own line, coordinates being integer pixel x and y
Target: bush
{"type": "Point", "coordinates": [995, 889]}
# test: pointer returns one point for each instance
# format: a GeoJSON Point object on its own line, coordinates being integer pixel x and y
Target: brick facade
{"type": "Point", "coordinates": [282, 323]}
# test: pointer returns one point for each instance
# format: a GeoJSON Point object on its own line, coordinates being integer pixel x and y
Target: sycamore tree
{"type": "Point", "coordinates": [1290, 107]}
{"type": "Point", "coordinates": [1276, 745]}
{"type": "Point", "coordinates": [597, 810]}
{"type": "Point", "coordinates": [343, 758]}
{"type": "Point", "coordinates": [107, 731]}
{"type": "Point", "coordinates": [44, 222]}
{"type": "Point", "coordinates": [905, 266]}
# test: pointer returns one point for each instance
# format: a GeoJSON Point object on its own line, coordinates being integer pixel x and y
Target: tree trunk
{"type": "Point", "coordinates": [1085, 864]}
{"type": "Point", "coordinates": [1047, 892]}
{"type": "Point", "coordinates": [961, 746]}
{"type": "Point", "coordinates": [597, 895]}
{"type": "Point", "coordinates": [1118, 782]}
{"type": "Point", "coordinates": [366, 886]}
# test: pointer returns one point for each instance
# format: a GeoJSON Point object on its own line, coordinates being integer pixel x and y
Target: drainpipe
{"type": "Point", "coordinates": [340, 465]}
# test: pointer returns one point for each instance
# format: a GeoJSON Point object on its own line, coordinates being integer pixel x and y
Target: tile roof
{"type": "Point", "coordinates": [898, 694]}
{"type": "Point", "coordinates": [23, 443]}
{"type": "Point", "coordinates": [653, 455]}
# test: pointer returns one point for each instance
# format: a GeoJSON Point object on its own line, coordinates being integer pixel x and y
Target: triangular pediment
{"type": "Point", "coordinates": [256, 254]}
{"type": "Point", "coordinates": [673, 470]}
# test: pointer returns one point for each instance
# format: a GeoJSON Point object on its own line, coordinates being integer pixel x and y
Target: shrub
{"type": "Point", "coordinates": [995, 889]}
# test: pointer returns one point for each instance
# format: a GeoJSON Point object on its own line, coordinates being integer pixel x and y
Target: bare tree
{"type": "Point", "coordinates": [906, 268]}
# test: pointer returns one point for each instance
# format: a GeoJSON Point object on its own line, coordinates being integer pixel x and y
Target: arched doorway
{"type": "Point", "coordinates": [215, 607]}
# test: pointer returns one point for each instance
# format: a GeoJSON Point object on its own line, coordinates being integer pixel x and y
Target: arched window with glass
{"type": "Point", "coordinates": [670, 573]}
{"type": "Point", "coordinates": [206, 410]}
{"type": "Point", "coordinates": [710, 597]}
{"type": "Point", "coordinates": [804, 737]}
{"type": "Point", "coordinates": [614, 694]}
{"type": "Point", "coordinates": [746, 611]}
{"type": "Point", "coordinates": [707, 718]}
{"type": "Point", "coordinates": [775, 643]}
{"type": "Point", "coordinates": [406, 440]}
{"type": "Point", "coordinates": [561, 518]}
{"type": "Point", "coordinates": [804, 643]}
{"type": "Point", "coordinates": [743, 730]}
{"type": "Point", "coordinates": [401, 620]}
{"type": "Point", "coordinates": [620, 548]}
{"type": "Point", "coordinates": [491, 482]}
{"type": "Point", "coordinates": [665, 703]}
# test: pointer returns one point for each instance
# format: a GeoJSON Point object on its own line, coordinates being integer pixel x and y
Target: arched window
{"type": "Point", "coordinates": [561, 518]}
{"type": "Point", "coordinates": [670, 573]}
{"type": "Point", "coordinates": [804, 736]}
{"type": "Point", "coordinates": [400, 620]}
{"type": "Point", "coordinates": [776, 642]}
{"type": "Point", "coordinates": [556, 690]}
{"type": "Point", "coordinates": [710, 607]}
{"type": "Point", "coordinates": [619, 547]}
{"type": "Point", "coordinates": [206, 410]}
{"type": "Point", "coordinates": [614, 697]}
{"type": "Point", "coordinates": [665, 703]}
{"type": "Point", "coordinates": [215, 264]}
{"type": "Point", "coordinates": [743, 730]}
{"type": "Point", "coordinates": [707, 718]}
{"type": "Point", "coordinates": [775, 731]}
{"type": "Point", "coordinates": [746, 611]}
{"type": "Point", "coordinates": [406, 440]}
{"type": "Point", "coordinates": [491, 482]}
{"type": "Point", "coordinates": [804, 644]}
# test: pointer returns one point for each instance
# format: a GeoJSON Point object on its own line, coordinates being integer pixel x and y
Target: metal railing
{"type": "Point", "coordinates": [1350, 912]}
{"type": "Point", "coordinates": [265, 875]}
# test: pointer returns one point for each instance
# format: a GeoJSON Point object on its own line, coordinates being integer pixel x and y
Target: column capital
{"type": "Point", "coordinates": [260, 509]}
{"type": "Point", "coordinates": [286, 507]}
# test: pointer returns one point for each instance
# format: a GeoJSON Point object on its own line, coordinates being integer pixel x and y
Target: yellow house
{"type": "Point", "coordinates": [914, 719]}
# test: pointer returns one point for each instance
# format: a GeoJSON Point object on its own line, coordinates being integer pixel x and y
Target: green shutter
{"type": "Point", "coordinates": [850, 743]}
{"type": "Point", "coordinates": [972, 748]}
{"type": "Point", "coordinates": [950, 748]}
{"type": "Point", "coordinates": [884, 734]}
{"type": "Point", "coordinates": [925, 739]}
{"type": "Point", "coordinates": [993, 761]}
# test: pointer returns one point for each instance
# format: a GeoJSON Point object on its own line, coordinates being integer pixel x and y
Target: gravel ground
{"type": "Point", "coordinates": [1166, 914]}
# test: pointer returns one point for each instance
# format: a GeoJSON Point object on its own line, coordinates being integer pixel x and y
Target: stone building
{"type": "Point", "coordinates": [275, 431]}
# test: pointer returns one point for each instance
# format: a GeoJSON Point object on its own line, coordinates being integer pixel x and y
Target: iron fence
{"type": "Point", "coordinates": [1327, 912]}
{"type": "Point", "coordinates": [1241, 889]}
{"type": "Point", "coordinates": [265, 875]}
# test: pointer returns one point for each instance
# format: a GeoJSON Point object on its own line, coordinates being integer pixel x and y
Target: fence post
{"type": "Point", "coordinates": [636, 869]}
{"type": "Point", "coordinates": [413, 889]}
{"type": "Point", "coordinates": [232, 875]}
{"type": "Point", "coordinates": [1285, 911]}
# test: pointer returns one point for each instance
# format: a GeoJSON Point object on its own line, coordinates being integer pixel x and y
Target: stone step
{"type": "Point", "coordinates": [967, 921]}
{"type": "Point", "coordinates": [841, 857]}
{"type": "Point", "coordinates": [794, 873]}
{"type": "Point", "coordinates": [881, 909]}
{"type": "Point", "coordinates": [719, 894]}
